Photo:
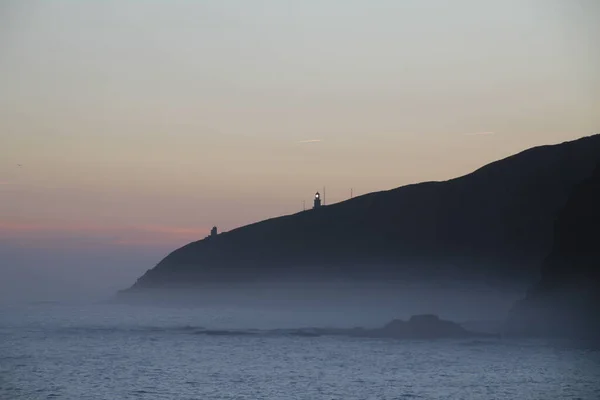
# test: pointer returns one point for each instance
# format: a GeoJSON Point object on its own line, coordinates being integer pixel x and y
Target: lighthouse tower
{"type": "Point", "coordinates": [317, 201]}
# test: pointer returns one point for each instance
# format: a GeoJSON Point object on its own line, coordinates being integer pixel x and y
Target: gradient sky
{"type": "Point", "coordinates": [140, 125]}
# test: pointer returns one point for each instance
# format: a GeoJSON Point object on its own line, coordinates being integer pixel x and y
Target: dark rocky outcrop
{"type": "Point", "coordinates": [423, 327]}
{"type": "Point", "coordinates": [495, 222]}
{"type": "Point", "coordinates": [566, 301]}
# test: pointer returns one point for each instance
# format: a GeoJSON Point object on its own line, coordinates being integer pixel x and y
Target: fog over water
{"type": "Point", "coordinates": [349, 303]}
{"type": "Point", "coordinates": [307, 303]}
{"type": "Point", "coordinates": [83, 276]}
{"type": "Point", "coordinates": [69, 274]}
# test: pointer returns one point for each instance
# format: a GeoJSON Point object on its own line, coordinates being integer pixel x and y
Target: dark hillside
{"type": "Point", "coordinates": [566, 301]}
{"type": "Point", "coordinates": [496, 222]}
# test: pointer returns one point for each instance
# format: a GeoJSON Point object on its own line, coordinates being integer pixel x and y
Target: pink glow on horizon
{"type": "Point", "coordinates": [61, 235]}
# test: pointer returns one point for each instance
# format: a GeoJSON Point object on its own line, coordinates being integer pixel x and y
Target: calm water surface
{"type": "Point", "coordinates": [120, 352]}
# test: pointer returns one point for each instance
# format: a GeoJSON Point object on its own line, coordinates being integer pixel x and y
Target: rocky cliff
{"type": "Point", "coordinates": [566, 301]}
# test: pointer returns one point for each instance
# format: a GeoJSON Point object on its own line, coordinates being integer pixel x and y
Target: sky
{"type": "Point", "coordinates": [130, 128]}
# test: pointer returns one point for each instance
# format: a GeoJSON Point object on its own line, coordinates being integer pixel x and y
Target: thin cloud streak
{"type": "Point", "coordinates": [480, 134]}
{"type": "Point", "coordinates": [310, 141]}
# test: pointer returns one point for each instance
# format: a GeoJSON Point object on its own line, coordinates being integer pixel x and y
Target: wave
{"type": "Point", "coordinates": [188, 329]}
{"type": "Point", "coordinates": [225, 332]}
{"type": "Point", "coordinates": [308, 332]}
{"type": "Point", "coordinates": [75, 330]}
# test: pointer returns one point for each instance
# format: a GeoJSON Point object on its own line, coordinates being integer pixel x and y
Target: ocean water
{"type": "Point", "coordinates": [127, 352]}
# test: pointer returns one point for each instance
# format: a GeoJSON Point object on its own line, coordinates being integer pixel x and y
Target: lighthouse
{"type": "Point", "coordinates": [317, 201]}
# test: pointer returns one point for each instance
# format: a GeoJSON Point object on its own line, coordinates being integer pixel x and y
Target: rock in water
{"type": "Point", "coordinates": [425, 326]}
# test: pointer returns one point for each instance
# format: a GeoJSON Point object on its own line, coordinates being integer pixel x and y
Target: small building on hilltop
{"type": "Point", "coordinates": [317, 203]}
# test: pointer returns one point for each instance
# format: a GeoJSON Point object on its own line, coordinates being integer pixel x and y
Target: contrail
{"type": "Point", "coordinates": [310, 141]}
{"type": "Point", "coordinates": [480, 134]}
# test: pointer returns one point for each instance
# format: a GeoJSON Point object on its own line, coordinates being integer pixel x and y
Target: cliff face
{"type": "Point", "coordinates": [497, 221]}
{"type": "Point", "coordinates": [566, 301]}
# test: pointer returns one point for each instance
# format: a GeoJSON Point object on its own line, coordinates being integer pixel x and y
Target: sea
{"type": "Point", "coordinates": [111, 351]}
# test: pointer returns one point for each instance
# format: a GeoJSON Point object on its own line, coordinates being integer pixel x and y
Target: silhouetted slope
{"type": "Point", "coordinates": [496, 221]}
{"type": "Point", "coordinates": [566, 301]}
